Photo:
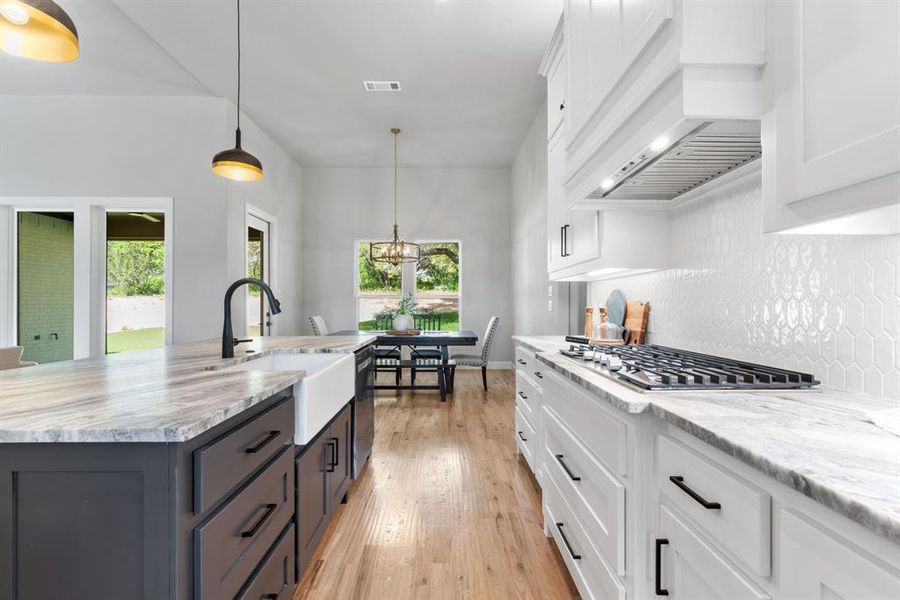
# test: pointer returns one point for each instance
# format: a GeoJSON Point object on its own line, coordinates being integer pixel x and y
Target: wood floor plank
{"type": "Point", "coordinates": [445, 508]}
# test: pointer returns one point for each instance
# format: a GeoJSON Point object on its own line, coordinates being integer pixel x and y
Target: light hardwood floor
{"type": "Point", "coordinates": [445, 508]}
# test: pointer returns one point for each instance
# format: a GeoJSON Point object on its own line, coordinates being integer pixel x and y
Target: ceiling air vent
{"type": "Point", "coordinates": [382, 86]}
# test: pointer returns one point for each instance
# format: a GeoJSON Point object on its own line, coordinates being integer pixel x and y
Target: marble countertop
{"type": "Point", "coordinates": [169, 394]}
{"type": "Point", "coordinates": [842, 449]}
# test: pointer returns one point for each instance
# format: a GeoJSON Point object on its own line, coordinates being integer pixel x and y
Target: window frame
{"type": "Point", "coordinates": [89, 281]}
{"type": "Point", "coordinates": [408, 279]}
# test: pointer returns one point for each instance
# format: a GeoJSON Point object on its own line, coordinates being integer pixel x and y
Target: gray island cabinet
{"type": "Point", "coordinates": [208, 518]}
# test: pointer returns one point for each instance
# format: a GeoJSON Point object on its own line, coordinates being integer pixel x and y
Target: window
{"type": "Point", "coordinates": [434, 281]}
{"type": "Point", "coordinates": [135, 281]}
{"type": "Point", "coordinates": [378, 290]}
{"type": "Point", "coordinates": [437, 283]}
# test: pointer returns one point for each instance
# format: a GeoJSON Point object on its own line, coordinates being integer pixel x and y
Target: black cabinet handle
{"type": "Point", "coordinates": [521, 362]}
{"type": "Point", "coordinates": [523, 396]}
{"type": "Point", "coordinates": [562, 240]}
{"type": "Point", "coordinates": [538, 375]}
{"type": "Point", "coordinates": [679, 481]}
{"type": "Point", "coordinates": [559, 527]}
{"type": "Point", "coordinates": [329, 462]}
{"type": "Point", "coordinates": [522, 437]}
{"type": "Point", "coordinates": [562, 105]}
{"type": "Point", "coordinates": [270, 508]}
{"type": "Point", "coordinates": [335, 454]}
{"type": "Point", "coordinates": [660, 591]}
{"type": "Point", "coordinates": [269, 597]}
{"type": "Point", "coordinates": [269, 437]}
{"type": "Point", "coordinates": [572, 476]}
{"type": "Point", "coordinates": [566, 240]}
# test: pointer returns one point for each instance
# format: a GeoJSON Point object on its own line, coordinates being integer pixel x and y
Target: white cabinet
{"type": "Point", "coordinates": [603, 39]}
{"type": "Point", "coordinates": [831, 132]}
{"type": "Point", "coordinates": [557, 80]}
{"type": "Point", "coordinates": [817, 565]}
{"type": "Point", "coordinates": [689, 568]}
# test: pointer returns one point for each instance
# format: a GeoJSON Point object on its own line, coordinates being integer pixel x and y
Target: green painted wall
{"type": "Point", "coordinates": [45, 279]}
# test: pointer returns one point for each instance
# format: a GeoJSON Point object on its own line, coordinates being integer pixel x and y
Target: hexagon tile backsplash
{"type": "Point", "coordinates": [825, 304]}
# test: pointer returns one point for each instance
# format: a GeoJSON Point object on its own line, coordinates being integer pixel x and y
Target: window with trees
{"type": "Point", "coordinates": [434, 282]}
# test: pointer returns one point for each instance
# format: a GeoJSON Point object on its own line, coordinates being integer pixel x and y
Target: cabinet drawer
{"type": "Point", "coordinates": [229, 545]}
{"type": "Point", "coordinates": [591, 574]}
{"type": "Point", "coordinates": [816, 564]}
{"type": "Point", "coordinates": [593, 493]}
{"type": "Point", "coordinates": [687, 567]}
{"type": "Point", "coordinates": [733, 511]}
{"type": "Point", "coordinates": [604, 434]}
{"type": "Point", "coordinates": [221, 465]}
{"type": "Point", "coordinates": [524, 359]}
{"type": "Point", "coordinates": [527, 397]}
{"type": "Point", "coordinates": [526, 438]}
{"type": "Point", "coordinates": [274, 579]}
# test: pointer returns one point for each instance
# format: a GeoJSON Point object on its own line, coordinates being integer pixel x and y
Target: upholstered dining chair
{"type": "Point", "coordinates": [11, 358]}
{"type": "Point", "coordinates": [317, 323]}
{"type": "Point", "coordinates": [478, 360]}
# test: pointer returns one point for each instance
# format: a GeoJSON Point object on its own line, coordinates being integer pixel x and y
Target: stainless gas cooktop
{"type": "Point", "coordinates": [656, 368]}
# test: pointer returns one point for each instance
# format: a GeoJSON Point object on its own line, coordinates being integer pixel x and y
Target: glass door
{"type": "Point", "coordinates": [45, 255]}
{"type": "Point", "coordinates": [259, 320]}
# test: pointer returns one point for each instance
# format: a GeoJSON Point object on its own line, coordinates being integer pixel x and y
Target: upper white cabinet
{"type": "Point", "coordinates": [603, 39]}
{"type": "Point", "coordinates": [831, 133]}
{"type": "Point", "coordinates": [557, 80]}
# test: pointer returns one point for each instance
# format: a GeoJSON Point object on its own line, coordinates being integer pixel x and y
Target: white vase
{"type": "Point", "coordinates": [403, 322]}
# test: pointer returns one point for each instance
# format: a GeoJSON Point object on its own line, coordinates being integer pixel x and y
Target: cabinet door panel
{"type": "Point", "coordinates": [837, 88]}
{"type": "Point", "coordinates": [814, 564]}
{"type": "Point", "coordinates": [312, 500]}
{"type": "Point", "coordinates": [340, 436]}
{"type": "Point", "coordinates": [692, 569]}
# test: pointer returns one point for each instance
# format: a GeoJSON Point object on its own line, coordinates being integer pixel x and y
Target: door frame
{"type": "Point", "coordinates": [270, 265]}
{"type": "Point", "coordinates": [89, 268]}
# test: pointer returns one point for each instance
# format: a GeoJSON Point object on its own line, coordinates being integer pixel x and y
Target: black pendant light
{"type": "Point", "coordinates": [396, 250]}
{"type": "Point", "coordinates": [236, 163]}
{"type": "Point", "coordinates": [37, 29]}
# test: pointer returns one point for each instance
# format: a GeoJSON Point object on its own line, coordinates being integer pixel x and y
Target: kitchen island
{"type": "Point", "coordinates": [158, 474]}
{"type": "Point", "coordinates": [713, 493]}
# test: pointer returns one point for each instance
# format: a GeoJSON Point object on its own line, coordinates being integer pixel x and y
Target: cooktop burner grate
{"type": "Point", "coordinates": [663, 368]}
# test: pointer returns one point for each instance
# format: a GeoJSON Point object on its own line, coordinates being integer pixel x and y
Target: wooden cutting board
{"type": "Point", "coordinates": [636, 316]}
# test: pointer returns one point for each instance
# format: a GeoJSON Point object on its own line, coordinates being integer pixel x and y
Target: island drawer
{"type": "Point", "coordinates": [229, 545]}
{"type": "Point", "coordinates": [221, 465]}
{"type": "Point", "coordinates": [525, 359]}
{"type": "Point", "coordinates": [732, 511]}
{"type": "Point", "coordinates": [595, 495]}
{"type": "Point", "coordinates": [526, 438]}
{"type": "Point", "coordinates": [527, 397]}
{"type": "Point", "coordinates": [275, 577]}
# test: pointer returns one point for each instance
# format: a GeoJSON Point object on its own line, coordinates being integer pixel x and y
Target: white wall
{"type": "Point", "coordinates": [539, 307]}
{"type": "Point", "coordinates": [345, 205]}
{"type": "Point", "coordinates": [823, 304]}
{"type": "Point", "coordinates": [126, 146]}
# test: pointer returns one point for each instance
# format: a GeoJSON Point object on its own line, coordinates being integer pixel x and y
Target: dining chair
{"type": "Point", "coordinates": [317, 323]}
{"type": "Point", "coordinates": [10, 358]}
{"type": "Point", "coordinates": [425, 322]}
{"type": "Point", "coordinates": [476, 360]}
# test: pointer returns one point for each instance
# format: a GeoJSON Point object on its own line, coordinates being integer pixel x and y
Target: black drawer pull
{"type": "Point", "coordinates": [269, 437]}
{"type": "Point", "coordinates": [522, 437]}
{"type": "Point", "coordinates": [269, 597]}
{"type": "Point", "coordinates": [523, 396]}
{"type": "Point", "coordinates": [335, 455]}
{"type": "Point", "coordinates": [559, 527]}
{"type": "Point", "coordinates": [521, 362]}
{"type": "Point", "coordinates": [270, 508]}
{"type": "Point", "coordinates": [660, 591]}
{"type": "Point", "coordinates": [679, 481]}
{"type": "Point", "coordinates": [538, 375]}
{"type": "Point", "coordinates": [329, 457]}
{"type": "Point", "coordinates": [572, 476]}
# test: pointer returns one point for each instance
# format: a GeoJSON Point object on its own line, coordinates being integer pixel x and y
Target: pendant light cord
{"type": "Point", "coordinates": [238, 64]}
{"type": "Point", "coordinates": [396, 201]}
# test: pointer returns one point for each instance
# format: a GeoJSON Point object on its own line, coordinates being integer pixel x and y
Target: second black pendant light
{"type": "Point", "coordinates": [236, 163]}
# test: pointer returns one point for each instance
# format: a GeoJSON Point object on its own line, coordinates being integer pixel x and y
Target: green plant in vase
{"type": "Point", "coordinates": [403, 314]}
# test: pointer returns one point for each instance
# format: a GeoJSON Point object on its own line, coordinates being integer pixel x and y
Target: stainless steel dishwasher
{"type": "Point", "coordinates": [363, 409]}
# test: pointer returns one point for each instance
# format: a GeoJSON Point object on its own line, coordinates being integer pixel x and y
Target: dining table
{"type": "Point", "coordinates": [442, 340]}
